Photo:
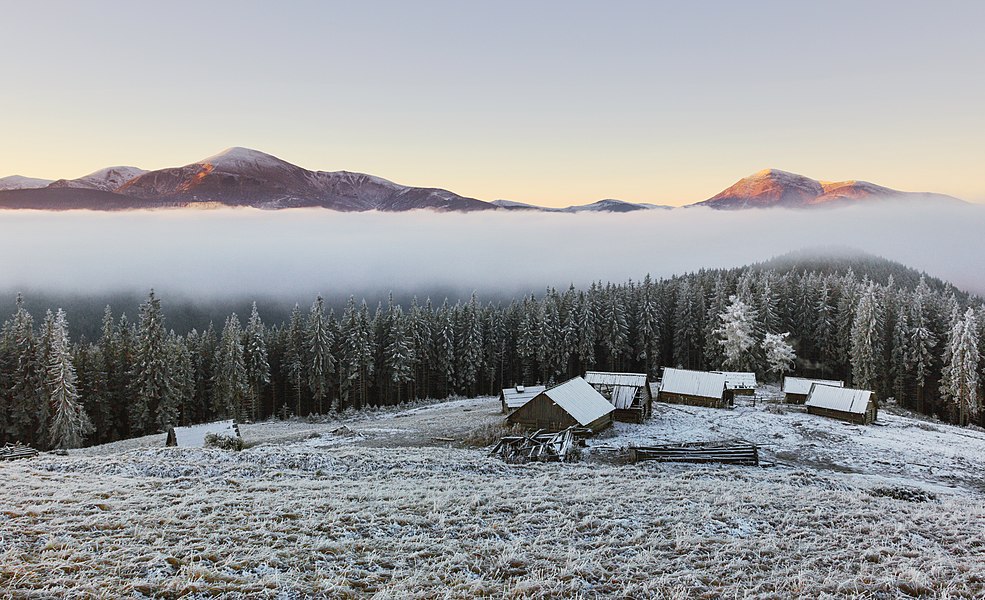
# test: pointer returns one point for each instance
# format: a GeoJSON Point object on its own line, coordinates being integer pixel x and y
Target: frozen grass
{"type": "Point", "coordinates": [278, 521]}
{"type": "Point", "coordinates": [345, 516]}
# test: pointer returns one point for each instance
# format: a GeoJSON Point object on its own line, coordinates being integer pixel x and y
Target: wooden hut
{"type": "Point", "coordinates": [573, 403]}
{"type": "Point", "coordinates": [629, 393]}
{"type": "Point", "coordinates": [695, 388]}
{"type": "Point", "coordinates": [796, 389]}
{"type": "Point", "coordinates": [515, 397]}
{"type": "Point", "coordinates": [855, 406]}
{"type": "Point", "coordinates": [738, 383]}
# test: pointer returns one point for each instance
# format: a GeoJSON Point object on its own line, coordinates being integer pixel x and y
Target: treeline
{"type": "Point", "coordinates": [916, 342]}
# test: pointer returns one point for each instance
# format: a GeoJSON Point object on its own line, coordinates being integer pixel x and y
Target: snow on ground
{"type": "Point", "coordinates": [308, 512]}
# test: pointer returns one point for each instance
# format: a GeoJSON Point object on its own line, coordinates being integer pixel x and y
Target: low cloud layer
{"type": "Point", "coordinates": [237, 253]}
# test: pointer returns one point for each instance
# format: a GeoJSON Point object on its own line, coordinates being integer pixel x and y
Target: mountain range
{"type": "Point", "coordinates": [244, 177]}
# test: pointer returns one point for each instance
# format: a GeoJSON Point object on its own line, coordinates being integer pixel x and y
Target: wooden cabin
{"type": "Point", "coordinates": [573, 403]}
{"type": "Point", "coordinates": [738, 383]}
{"type": "Point", "coordinates": [515, 397]}
{"type": "Point", "coordinates": [854, 406]}
{"type": "Point", "coordinates": [629, 393]}
{"type": "Point", "coordinates": [796, 389]}
{"type": "Point", "coordinates": [694, 388]}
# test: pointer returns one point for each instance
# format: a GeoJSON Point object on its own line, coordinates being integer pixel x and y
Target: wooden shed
{"type": "Point", "coordinates": [738, 383]}
{"type": "Point", "coordinates": [573, 403]}
{"type": "Point", "coordinates": [855, 406]}
{"type": "Point", "coordinates": [796, 389]}
{"type": "Point", "coordinates": [629, 393]}
{"type": "Point", "coordinates": [695, 388]}
{"type": "Point", "coordinates": [515, 397]}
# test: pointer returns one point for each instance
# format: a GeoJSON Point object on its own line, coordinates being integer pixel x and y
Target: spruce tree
{"type": "Point", "coordinates": [69, 422]}
{"type": "Point", "coordinates": [865, 349]}
{"type": "Point", "coordinates": [320, 363]}
{"type": "Point", "coordinates": [255, 357]}
{"type": "Point", "coordinates": [151, 380]}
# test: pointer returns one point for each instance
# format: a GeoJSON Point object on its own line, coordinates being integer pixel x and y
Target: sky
{"type": "Point", "coordinates": [548, 102]}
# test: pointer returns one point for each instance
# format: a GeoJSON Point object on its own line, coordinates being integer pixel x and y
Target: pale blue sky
{"type": "Point", "coordinates": [546, 102]}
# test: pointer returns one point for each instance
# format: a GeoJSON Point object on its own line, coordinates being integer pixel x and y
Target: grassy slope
{"type": "Point", "coordinates": [349, 518]}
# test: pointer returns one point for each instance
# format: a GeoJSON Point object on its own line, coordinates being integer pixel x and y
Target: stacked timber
{"type": "Point", "coordinates": [15, 451]}
{"type": "Point", "coordinates": [733, 452]}
{"type": "Point", "coordinates": [539, 446]}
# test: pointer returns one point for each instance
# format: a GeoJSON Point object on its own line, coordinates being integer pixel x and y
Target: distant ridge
{"type": "Point", "coordinates": [241, 177]}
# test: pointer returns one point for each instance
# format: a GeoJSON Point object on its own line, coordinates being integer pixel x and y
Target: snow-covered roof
{"type": "Point", "coordinates": [802, 385]}
{"type": "Point", "coordinates": [605, 378]}
{"type": "Point", "coordinates": [193, 436]}
{"type": "Point", "coordinates": [739, 380]}
{"type": "Point", "coordinates": [693, 383]}
{"type": "Point", "coordinates": [580, 400]}
{"type": "Point", "coordinates": [518, 396]}
{"type": "Point", "coordinates": [839, 398]}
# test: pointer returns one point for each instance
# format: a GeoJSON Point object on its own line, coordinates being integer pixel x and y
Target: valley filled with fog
{"type": "Point", "coordinates": [291, 255]}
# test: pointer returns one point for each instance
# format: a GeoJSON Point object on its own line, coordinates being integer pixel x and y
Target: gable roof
{"type": "Point", "coordinates": [839, 398]}
{"type": "Point", "coordinates": [625, 379]}
{"type": "Point", "coordinates": [516, 399]}
{"type": "Point", "coordinates": [693, 383]}
{"type": "Point", "coordinates": [739, 380]}
{"type": "Point", "coordinates": [802, 385]}
{"type": "Point", "coordinates": [580, 400]}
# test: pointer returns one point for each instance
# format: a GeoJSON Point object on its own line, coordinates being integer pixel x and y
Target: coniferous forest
{"type": "Point", "coordinates": [878, 325]}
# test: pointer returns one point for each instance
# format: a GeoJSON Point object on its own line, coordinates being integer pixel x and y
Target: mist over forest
{"type": "Point", "coordinates": [206, 264]}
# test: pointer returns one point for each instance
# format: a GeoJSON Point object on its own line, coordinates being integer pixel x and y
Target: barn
{"type": "Point", "coordinates": [796, 389]}
{"type": "Point", "coordinates": [695, 388]}
{"type": "Point", "coordinates": [629, 393]}
{"type": "Point", "coordinates": [573, 403]}
{"type": "Point", "coordinates": [856, 406]}
{"type": "Point", "coordinates": [738, 383]}
{"type": "Point", "coordinates": [515, 397]}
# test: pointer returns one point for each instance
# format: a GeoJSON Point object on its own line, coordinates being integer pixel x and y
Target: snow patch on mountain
{"type": "Point", "coordinates": [107, 180]}
{"type": "Point", "coordinates": [19, 182]}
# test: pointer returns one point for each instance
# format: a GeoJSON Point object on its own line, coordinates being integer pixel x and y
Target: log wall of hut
{"type": "Point", "coordinates": [865, 418]}
{"type": "Point", "coordinates": [794, 398]}
{"type": "Point", "coordinates": [690, 400]}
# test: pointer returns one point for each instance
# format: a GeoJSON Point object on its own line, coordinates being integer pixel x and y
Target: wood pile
{"type": "Point", "coordinates": [736, 452]}
{"type": "Point", "coordinates": [15, 451]}
{"type": "Point", "coordinates": [539, 446]}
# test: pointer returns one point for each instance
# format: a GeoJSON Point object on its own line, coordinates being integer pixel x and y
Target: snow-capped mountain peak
{"type": "Point", "coordinates": [237, 158]}
{"type": "Point", "coordinates": [19, 182]}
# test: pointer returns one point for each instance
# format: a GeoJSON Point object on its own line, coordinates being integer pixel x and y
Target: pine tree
{"type": "Point", "coordinates": [587, 326]}
{"type": "Point", "coordinates": [256, 359]}
{"type": "Point", "coordinates": [615, 340]}
{"type": "Point", "coordinates": [151, 379]}
{"type": "Point", "coordinates": [648, 331]}
{"type": "Point", "coordinates": [321, 363]}
{"type": "Point", "coordinates": [28, 407]}
{"type": "Point", "coordinates": [920, 357]}
{"type": "Point", "coordinates": [399, 354]}
{"type": "Point", "coordinates": [231, 387]}
{"type": "Point", "coordinates": [959, 386]}
{"type": "Point", "coordinates": [69, 422]}
{"type": "Point", "coordinates": [294, 355]}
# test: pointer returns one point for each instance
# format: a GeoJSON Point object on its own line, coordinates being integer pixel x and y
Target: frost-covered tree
{"type": "Point", "coordinates": [737, 335]}
{"type": "Point", "coordinates": [959, 386]}
{"type": "Point", "coordinates": [256, 359]}
{"type": "Point", "coordinates": [150, 370]}
{"type": "Point", "coordinates": [399, 353]}
{"type": "Point", "coordinates": [587, 326]}
{"type": "Point", "coordinates": [69, 422]}
{"type": "Point", "coordinates": [866, 342]}
{"type": "Point", "coordinates": [231, 387]}
{"type": "Point", "coordinates": [28, 418]}
{"type": "Point", "coordinates": [920, 355]}
{"type": "Point", "coordinates": [779, 354]}
{"type": "Point", "coordinates": [615, 338]}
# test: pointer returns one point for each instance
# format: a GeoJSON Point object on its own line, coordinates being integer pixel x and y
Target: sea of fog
{"type": "Point", "coordinates": [239, 253]}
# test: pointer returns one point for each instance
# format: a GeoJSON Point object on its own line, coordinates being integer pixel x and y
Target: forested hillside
{"type": "Point", "coordinates": [874, 323]}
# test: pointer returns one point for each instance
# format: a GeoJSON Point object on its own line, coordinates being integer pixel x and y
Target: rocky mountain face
{"type": "Point", "coordinates": [775, 188]}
